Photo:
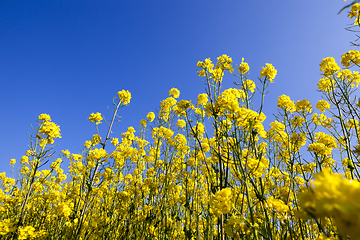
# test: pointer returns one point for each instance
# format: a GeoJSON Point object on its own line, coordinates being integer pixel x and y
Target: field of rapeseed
{"type": "Point", "coordinates": [204, 170]}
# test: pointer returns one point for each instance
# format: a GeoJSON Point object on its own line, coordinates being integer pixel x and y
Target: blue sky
{"type": "Point", "coordinates": [70, 58]}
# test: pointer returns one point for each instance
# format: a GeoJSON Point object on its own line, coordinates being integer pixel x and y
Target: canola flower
{"type": "Point", "coordinates": [268, 72]}
{"type": "Point", "coordinates": [335, 197]}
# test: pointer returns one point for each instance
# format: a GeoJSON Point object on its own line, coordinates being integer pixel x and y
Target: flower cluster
{"type": "Point", "coordinates": [332, 196]}
{"type": "Point", "coordinates": [95, 117]}
{"type": "Point", "coordinates": [124, 97]}
{"type": "Point", "coordinates": [268, 72]}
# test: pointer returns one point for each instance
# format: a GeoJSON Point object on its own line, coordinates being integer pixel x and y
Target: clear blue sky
{"type": "Point", "coordinates": [70, 58]}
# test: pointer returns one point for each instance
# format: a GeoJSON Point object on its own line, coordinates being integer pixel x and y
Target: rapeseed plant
{"type": "Point", "coordinates": [208, 170]}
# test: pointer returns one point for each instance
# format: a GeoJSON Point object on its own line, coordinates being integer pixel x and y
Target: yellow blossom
{"type": "Point", "coordinates": [45, 117]}
{"type": "Point", "coordinates": [322, 105]}
{"type": "Point", "coordinates": [95, 117]}
{"type": "Point", "coordinates": [124, 97]}
{"type": "Point", "coordinates": [285, 103]}
{"type": "Point", "coordinates": [202, 99]}
{"type": "Point", "coordinates": [268, 72]}
{"type": "Point", "coordinates": [150, 116]}
{"type": "Point", "coordinates": [329, 67]}
{"type": "Point", "coordinates": [243, 67]}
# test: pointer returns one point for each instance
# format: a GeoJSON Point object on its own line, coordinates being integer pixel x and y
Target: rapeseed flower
{"type": "Point", "coordinates": [268, 72]}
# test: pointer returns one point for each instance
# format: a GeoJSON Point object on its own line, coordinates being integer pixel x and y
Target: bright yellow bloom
{"type": "Point", "coordinates": [97, 153]}
{"type": "Point", "coordinates": [181, 123]}
{"type": "Point", "coordinates": [352, 123]}
{"type": "Point", "coordinates": [115, 141]}
{"type": "Point", "coordinates": [298, 139]}
{"type": "Point", "coordinates": [221, 202]}
{"type": "Point", "coordinates": [329, 67]}
{"type": "Point", "coordinates": [50, 129]}
{"type": "Point", "coordinates": [325, 84]}
{"type": "Point", "coordinates": [285, 103]}
{"type": "Point", "coordinates": [249, 85]}
{"type": "Point", "coordinates": [95, 139]}
{"type": "Point", "coordinates": [182, 106]}
{"type": "Point", "coordinates": [224, 63]}
{"type": "Point", "coordinates": [243, 67]}
{"type": "Point", "coordinates": [202, 99]}
{"type": "Point", "coordinates": [95, 117]}
{"type": "Point", "coordinates": [6, 226]}
{"type": "Point", "coordinates": [349, 58]}
{"type": "Point", "coordinates": [303, 106]}
{"type": "Point", "coordinates": [24, 159]}
{"type": "Point", "coordinates": [174, 92]}
{"type": "Point", "coordinates": [207, 64]}
{"type": "Point", "coordinates": [355, 12]}
{"type": "Point", "coordinates": [322, 105]}
{"type": "Point", "coordinates": [324, 145]}
{"type": "Point", "coordinates": [333, 196]}
{"type": "Point", "coordinates": [277, 204]}
{"type": "Point", "coordinates": [269, 72]}
{"type": "Point", "coordinates": [322, 120]}
{"type": "Point", "coordinates": [26, 232]}
{"type": "Point", "coordinates": [277, 126]}
{"type": "Point", "coordinates": [216, 74]}
{"type": "Point", "coordinates": [150, 116]}
{"type": "Point", "coordinates": [166, 106]}
{"type": "Point", "coordinates": [45, 117]}
{"type": "Point", "coordinates": [124, 97]}
{"type": "Point", "coordinates": [12, 161]}
{"type": "Point", "coordinates": [88, 144]}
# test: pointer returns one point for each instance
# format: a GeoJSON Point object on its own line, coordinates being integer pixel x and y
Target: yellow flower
{"type": "Point", "coordinates": [285, 103]}
{"type": "Point", "coordinates": [95, 117]}
{"type": "Point", "coordinates": [352, 123]}
{"type": "Point", "coordinates": [88, 144]}
{"type": "Point", "coordinates": [277, 126]}
{"type": "Point", "coordinates": [349, 58]}
{"type": "Point", "coordinates": [207, 64]}
{"type": "Point", "coordinates": [95, 139]}
{"type": "Point", "coordinates": [355, 12]}
{"type": "Point", "coordinates": [268, 72]}
{"type": "Point", "coordinates": [26, 232]}
{"type": "Point", "coordinates": [182, 106]}
{"type": "Point", "coordinates": [50, 129]}
{"type": "Point", "coordinates": [216, 74]}
{"type": "Point", "coordinates": [224, 63]}
{"type": "Point", "coordinates": [249, 85]}
{"type": "Point", "coordinates": [221, 202]}
{"type": "Point", "coordinates": [277, 204]}
{"type": "Point", "coordinates": [324, 145]}
{"type": "Point", "coordinates": [181, 123]}
{"type": "Point", "coordinates": [333, 196]}
{"type": "Point", "coordinates": [243, 67]}
{"type": "Point", "coordinates": [124, 97]}
{"type": "Point", "coordinates": [325, 84]}
{"type": "Point", "coordinates": [322, 105]}
{"type": "Point", "coordinates": [303, 106]}
{"type": "Point", "coordinates": [115, 141]}
{"type": "Point", "coordinates": [45, 117]}
{"type": "Point", "coordinates": [202, 99]}
{"type": "Point", "coordinates": [174, 92]}
{"type": "Point", "coordinates": [12, 161]}
{"type": "Point", "coordinates": [24, 159]}
{"type": "Point", "coordinates": [65, 152]}
{"type": "Point", "coordinates": [150, 116]}
{"type": "Point", "coordinates": [6, 226]}
{"type": "Point", "coordinates": [329, 67]}
{"type": "Point", "coordinates": [97, 153]}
